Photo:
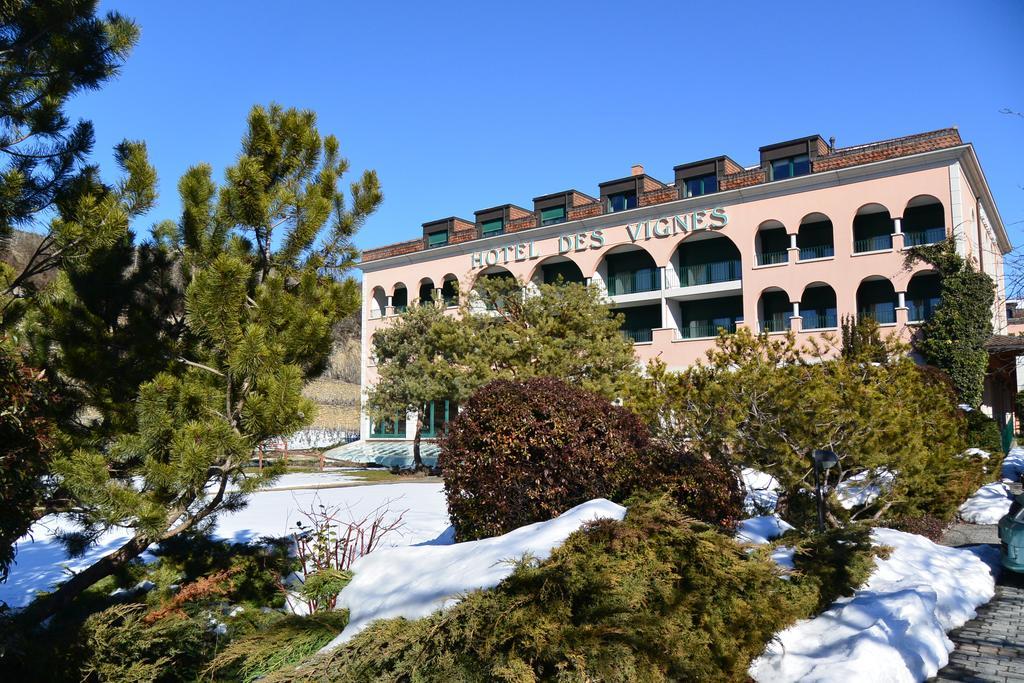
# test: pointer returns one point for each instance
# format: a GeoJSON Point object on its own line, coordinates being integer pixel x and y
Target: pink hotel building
{"type": "Point", "coordinates": [810, 234]}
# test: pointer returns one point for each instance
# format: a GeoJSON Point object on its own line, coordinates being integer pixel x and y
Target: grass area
{"type": "Point", "coordinates": [337, 403]}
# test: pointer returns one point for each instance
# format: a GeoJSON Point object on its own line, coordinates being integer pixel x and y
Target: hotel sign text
{"type": "Point", "coordinates": [668, 226]}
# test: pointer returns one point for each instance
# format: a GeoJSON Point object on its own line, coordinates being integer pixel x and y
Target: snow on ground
{"type": "Point", "coordinates": [414, 581]}
{"type": "Point", "coordinates": [894, 628]}
{"type": "Point", "coordinates": [989, 503]}
{"type": "Point", "coordinates": [313, 437]}
{"type": "Point", "coordinates": [759, 530]}
{"type": "Point", "coordinates": [761, 491]}
{"type": "Point", "coordinates": [41, 560]}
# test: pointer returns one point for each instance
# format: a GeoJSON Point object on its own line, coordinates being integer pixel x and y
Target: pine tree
{"type": "Point", "coordinates": [260, 259]}
{"type": "Point", "coordinates": [49, 52]}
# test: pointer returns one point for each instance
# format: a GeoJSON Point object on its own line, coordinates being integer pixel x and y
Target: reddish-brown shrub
{"type": "Point", "coordinates": [524, 452]}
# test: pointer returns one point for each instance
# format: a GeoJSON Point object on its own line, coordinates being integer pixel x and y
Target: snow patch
{"type": "Point", "coordinates": [894, 628]}
{"type": "Point", "coordinates": [41, 562]}
{"type": "Point", "coordinates": [863, 488]}
{"type": "Point", "coordinates": [761, 491]}
{"type": "Point", "coordinates": [987, 505]}
{"type": "Point", "coordinates": [412, 582]}
{"type": "Point", "coordinates": [760, 530]}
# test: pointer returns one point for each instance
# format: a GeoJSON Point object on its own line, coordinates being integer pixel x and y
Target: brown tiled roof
{"type": "Point", "coordinates": [827, 160]}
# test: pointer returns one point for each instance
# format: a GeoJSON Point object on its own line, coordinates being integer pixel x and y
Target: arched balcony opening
{"type": "Point", "coordinates": [378, 303]}
{"type": "Point", "coordinates": [872, 229]}
{"type": "Point", "coordinates": [706, 258]}
{"type": "Point", "coordinates": [630, 270]}
{"type": "Point", "coordinates": [399, 299]}
{"type": "Point", "coordinates": [876, 298]}
{"type": "Point", "coordinates": [426, 293]}
{"type": "Point", "coordinates": [815, 238]}
{"type": "Point", "coordinates": [705, 317]}
{"type": "Point", "coordinates": [450, 291]}
{"type": "Point", "coordinates": [494, 273]}
{"type": "Point", "coordinates": [924, 221]}
{"type": "Point", "coordinates": [818, 307]}
{"type": "Point", "coordinates": [923, 296]}
{"type": "Point", "coordinates": [558, 270]}
{"type": "Point", "coordinates": [774, 311]}
{"type": "Point", "coordinates": [771, 243]}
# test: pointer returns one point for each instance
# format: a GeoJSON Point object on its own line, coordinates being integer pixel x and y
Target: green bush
{"type": "Point", "coordinates": [983, 433]}
{"type": "Point", "coordinates": [524, 452]}
{"type": "Point", "coordinates": [123, 647]}
{"type": "Point", "coordinates": [835, 562]}
{"type": "Point", "coordinates": [288, 640]}
{"type": "Point", "coordinates": [656, 597]}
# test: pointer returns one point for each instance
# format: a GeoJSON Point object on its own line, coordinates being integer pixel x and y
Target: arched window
{"type": "Point", "coordinates": [872, 229]}
{"type": "Point", "coordinates": [774, 310]}
{"type": "Point", "coordinates": [399, 299]}
{"type": "Point", "coordinates": [924, 221]}
{"type": "Point", "coordinates": [378, 303]}
{"type": "Point", "coordinates": [558, 269]}
{"type": "Point", "coordinates": [818, 307]}
{"type": "Point", "coordinates": [630, 270]}
{"type": "Point", "coordinates": [706, 258]}
{"type": "Point", "coordinates": [450, 291]}
{"type": "Point", "coordinates": [923, 296]}
{"type": "Point", "coordinates": [876, 298]}
{"type": "Point", "coordinates": [426, 293]}
{"type": "Point", "coordinates": [771, 243]}
{"type": "Point", "coordinates": [815, 237]}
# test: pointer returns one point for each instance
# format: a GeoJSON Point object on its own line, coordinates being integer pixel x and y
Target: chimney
{"type": "Point", "coordinates": [637, 169]}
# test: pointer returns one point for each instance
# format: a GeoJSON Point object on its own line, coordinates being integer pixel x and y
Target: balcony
{"type": "Point", "coordinates": [876, 243]}
{"type": "Point", "coordinates": [771, 258]}
{"type": "Point", "coordinates": [634, 282]}
{"type": "Point", "coordinates": [819, 320]}
{"type": "Point", "coordinates": [710, 273]}
{"type": "Point", "coordinates": [883, 313]}
{"type": "Point", "coordinates": [919, 238]}
{"type": "Point", "coordinates": [921, 310]}
{"type": "Point", "coordinates": [818, 251]}
{"type": "Point", "coordinates": [776, 322]}
{"type": "Point", "coordinates": [695, 329]}
{"type": "Point", "coordinates": [638, 336]}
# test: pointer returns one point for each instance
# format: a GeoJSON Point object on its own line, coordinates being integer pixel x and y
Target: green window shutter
{"type": "Point", "coordinates": [494, 227]}
{"type": "Point", "coordinates": [437, 239]}
{"type": "Point", "coordinates": [555, 214]}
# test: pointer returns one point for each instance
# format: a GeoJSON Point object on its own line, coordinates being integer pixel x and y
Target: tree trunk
{"type": "Point", "coordinates": [417, 461]}
{"type": "Point", "coordinates": [60, 599]}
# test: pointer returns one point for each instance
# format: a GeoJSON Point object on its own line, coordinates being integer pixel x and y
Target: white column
{"type": "Point", "coordinates": [792, 241]}
{"type": "Point", "coordinates": [796, 309]}
{"type": "Point", "coordinates": [901, 299]}
{"type": "Point", "coordinates": [390, 308]}
{"type": "Point", "coordinates": [897, 226]}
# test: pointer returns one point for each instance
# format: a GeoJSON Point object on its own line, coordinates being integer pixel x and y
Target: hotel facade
{"type": "Point", "coordinates": [810, 234]}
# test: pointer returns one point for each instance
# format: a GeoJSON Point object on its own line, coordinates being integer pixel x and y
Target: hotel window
{"type": "Point", "coordinates": [791, 167]}
{"type": "Point", "coordinates": [436, 416]}
{"type": "Point", "coordinates": [552, 215]}
{"type": "Point", "coordinates": [492, 227]}
{"type": "Point", "coordinates": [705, 184]}
{"type": "Point", "coordinates": [388, 428]}
{"type": "Point", "coordinates": [620, 201]}
{"type": "Point", "coordinates": [437, 239]}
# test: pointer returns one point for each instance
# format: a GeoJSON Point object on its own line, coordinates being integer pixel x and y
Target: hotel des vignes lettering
{"type": "Point", "coordinates": [808, 235]}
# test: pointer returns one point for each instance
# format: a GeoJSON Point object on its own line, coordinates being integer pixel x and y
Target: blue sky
{"type": "Point", "coordinates": [461, 107]}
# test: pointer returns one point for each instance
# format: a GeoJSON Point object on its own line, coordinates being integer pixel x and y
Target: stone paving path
{"type": "Point", "coordinates": [990, 647]}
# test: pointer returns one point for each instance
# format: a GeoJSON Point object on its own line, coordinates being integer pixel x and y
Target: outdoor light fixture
{"type": "Point", "coordinates": [823, 460]}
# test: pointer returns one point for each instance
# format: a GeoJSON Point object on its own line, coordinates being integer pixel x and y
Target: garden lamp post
{"type": "Point", "coordinates": [823, 460]}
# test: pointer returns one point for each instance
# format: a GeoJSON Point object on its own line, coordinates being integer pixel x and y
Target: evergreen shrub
{"type": "Point", "coordinates": [655, 597]}
{"type": "Point", "coordinates": [524, 452]}
{"type": "Point", "coordinates": [983, 433]}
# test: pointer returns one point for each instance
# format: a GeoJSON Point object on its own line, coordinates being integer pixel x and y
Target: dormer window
{"type": "Point", "coordinates": [552, 215]}
{"type": "Point", "coordinates": [791, 167]}
{"type": "Point", "coordinates": [492, 227]}
{"type": "Point", "coordinates": [701, 185]}
{"type": "Point", "coordinates": [437, 239]}
{"type": "Point", "coordinates": [621, 201]}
